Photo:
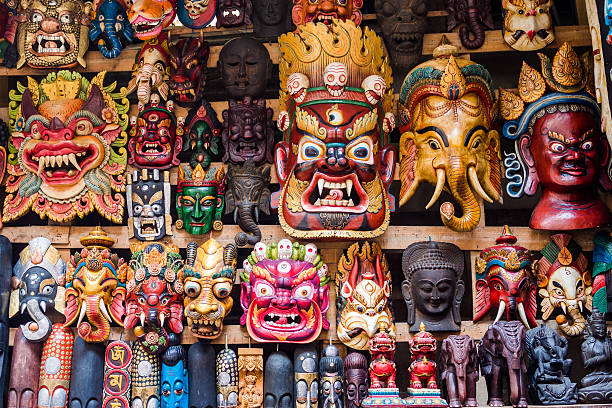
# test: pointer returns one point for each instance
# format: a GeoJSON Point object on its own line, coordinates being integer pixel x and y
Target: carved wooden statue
{"type": "Point", "coordinates": [87, 378]}
{"type": "Point", "coordinates": [474, 16]}
{"type": "Point", "coordinates": [250, 377]}
{"type": "Point", "coordinates": [596, 348]}
{"type": "Point", "coordinates": [459, 370]}
{"type": "Point", "coordinates": [278, 381]}
{"type": "Point", "coordinates": [383, 392]}
{"type": "Point", "coordinates": [24, 373]}
{"type": "Point", "coordinates": [117, 375]}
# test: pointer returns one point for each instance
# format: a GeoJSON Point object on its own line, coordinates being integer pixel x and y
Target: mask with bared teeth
{"type": "Point", "coordinates": [325, 11]}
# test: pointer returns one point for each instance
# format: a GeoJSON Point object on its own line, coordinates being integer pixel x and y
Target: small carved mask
{"type": "Point", "coordinates": [38, 278]}
{"type": "Point", "coordinates": [306, 369]}
{"type": "Point", "coordinates": [52, 33]}
{"type": "Point", "coordinates": [69, 141]}
{"type": "Point", "coordinates": [200, 199]}
{"type": "Point", "coordinates": [250, 375]}
{"type": "Point", "coordinates": [111, 29]}
{"type": "Point", "coordinates": [565, 282]}
{"type": "Point", "coordinates": [503, 282]}
{"type": "Point", "coordinates": [201, 136]}
{"type": "Point", "coordinates": [527, 24]}
{"type": "Point", "coordinates": [234, 13]}
{"type": "Point", "coordinates": [95, 288]}
{"type": "Point", "coordinates": [227, 379]}
{"type": "Point", "coordinates": [148, 202]}
{"type": "Point", "coordinates": [151, 72]}
{"type": "Point", "coordinates": [208, 280]}
{"type": "Point", "coordinates": [433, 288]}
{"type": "Point", "coordinates": [403, 24]}
{"type": "Point", "coordinates": [271, 17]}
{"type": "Point", "coordinates": [154, 295]}
{"type": "Point", "coordinates": [150, 17]}
{"type": "Point", "coordinates": [363, 295]}
{"type": "Point", "coordinates": [174, 378]}
{"type": "Point", "coordinates": [284, 293]}
{"type": "Point", "coordinates": [156, 137]}
{"type": "Point", "coordinates": [323, 11]}
{"type": "Point", "coordinates": [356, 378]}
{"type": "Point", "coordinates": [188, 59]}
{"type": "Point", "coordinates": [331, 367]}
{"type": "Point", "coordinates": [196, 14]}
{"type": "Point", "coordinates": [245, 67]}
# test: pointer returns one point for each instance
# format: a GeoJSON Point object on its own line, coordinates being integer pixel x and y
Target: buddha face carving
{"type": "Point", "coordinates": [196, 14]}
{"type": "Point", "coordinates": [38, 279]}
{"type": "Point", "coordinates": [208, 279]}
{"type": "Point", "coordinates": [68, 137]}
{"type": "Point", "coordinates": [151, 72]}
{"type": "Point", "coordinates": [111, 29]}
{"type": "Point", "coordinates": [306, 11]}
{"type": "Point", "coordinates": [188, 59]}
{"type": "Point", "coordinates": [150, 17]}
{"type": "Point", "coordinates": [433, 288]}
{"type": "Point", "coordinates": [271, 17]}
{"type": "Point", "coordinates": [284, 293]}
{"type": "Point", "coordinates": [148, 202]}
{"type": "Point", "coordinates": [245, 67]}
{"type": "Point", "coordinates": [52, 33]}
{"type": "Point", "coordinates": [234, 13]}
{"type": "Point", "coordinates": [503, 281]}
{"type": "Point", "coordinates": [334, 166]}
{"type": "Point", "coordinates": [201, 136]}
{"type": "Point", "coordinates": [363, 291]}
{"type": "Point", "coordinates": [527, 24]}
{"type": "Point", "coordinates": [403, 24]}
{"type": "Point", "coordinates": [156, 137]}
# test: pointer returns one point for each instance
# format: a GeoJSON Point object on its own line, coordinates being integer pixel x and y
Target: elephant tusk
{"type": "Point", "coordinates": [142, 319]}
{"type": "Point", "coordinates": [162, 319]}
{"type": "Point", "coordinates": [256, 211]}
{"type": "Point", "coordinates": [43, 306]}
{"type": "Point", "coordinates": [23, 307]}
{"type": "Point", "coordinates": [502, 306]}
{"type": "Point", "coordinates": [476, 184]}
{"type": "Point", "coordinates": [564, 307]}
{"type": "Point", "coordinates": [82, 314]}
{"type": "Point", "coordinates": [236, 215]}
{"type": "Point", "coordinates": [441, 176]}
{"type": "Point", "coordinates": [104, 311]}
{"type": "Point", "coordinates": [522, 315]}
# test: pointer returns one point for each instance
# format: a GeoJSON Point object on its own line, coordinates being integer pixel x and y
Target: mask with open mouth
{"type": "Point", "coordinates": [334, 165]}
{"type": "Point", "coordinates": [156, 137]}
{"type": "Point", "coordinates": [323, 11]}
{"type": "Point", "coordinates": [68, 138]}
{"type": "Point", "coordinates": [196, 14]}
{"type": "Point", "coordinates": [201, 136]}
{"type": "Point", "coordinates": [188, 59]}
{"type": "Point", "coordinates": [527, 24]}
{"type": "Point", "coordinates": [234, 13]}
{"type": "Point", "coordinates": [154, 303]}
{"type": "Point", "coordinates": [284, 293]}
{"type": "Point", "coordinates": [148, 203]}
{"type": "Point", "coordinates": [151, 72]}
{"type": "Point", "coordinates": [208, 279]}
{"type": "Point", "coordinates": [150, 17]}
{"type": "Point", "coordinates": [52, 33]}
{"type": "Point", "coordinates": [111, 29]}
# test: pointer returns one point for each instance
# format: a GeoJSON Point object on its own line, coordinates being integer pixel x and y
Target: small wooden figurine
{"type": "Point", "coordinates": [596, 385]}
{"type": "Point", "coordinates": [250, 377]}
{"type": "Point", "coordinates": [459, 370]}
{"type": "Point", "coordinates": [383, 392]}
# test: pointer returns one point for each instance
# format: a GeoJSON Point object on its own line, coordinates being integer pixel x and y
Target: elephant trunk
{"type": "Point", "coordinates": [578, 322]}
{"type": "Point", "coordinates": [40, 329]}
{"type": "Point", "coordinates": [515, 385]}
{"type": "Point", "coordinates": [473, 27]}
{"type": "Point", "coordinates": [460, 372]}
{"type": "Point", "coordinates": [461, 191]}
{"type": "Point", "coordinates": [101, 326]}
{"type": "Point", "coordinates": [251, 233]}
{"type": "Point", "coordinates": [111, 47]}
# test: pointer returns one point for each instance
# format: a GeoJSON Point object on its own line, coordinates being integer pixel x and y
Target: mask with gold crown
{"type": "Point", "coordinates": [555, 121]}
{"type": "Point", "coordinates": [66, 154]}
{"type": "Point", "coordinates": [335, 164]}
{"type": "Point", "coordinates": [503, 281]}
{"type": "Point", "coordinates": [448, 139]}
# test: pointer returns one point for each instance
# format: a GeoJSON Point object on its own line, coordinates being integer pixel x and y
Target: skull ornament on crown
{"type": "Point", "coordinates": [324, 11]}
{"type": "Point", "coordinates": [150, 17]}
{"type": "Point", "coordinates": [151, 71]}
{"type": "Point", "coordinates": [284, 293]}
{"type": "Point", "coordinates": [334, 165]}
{"type": "Point", "coordinates": [527, 24]}
{"type": "Point", "coordinates": [67, 153]}
{"type": "Point", "coordinates": [110, 28]}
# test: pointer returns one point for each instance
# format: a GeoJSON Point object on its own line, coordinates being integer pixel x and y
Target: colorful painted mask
{"type": "Point", "coordinates": [403, 25]}
{"type": "Point", "coordinates": [156, 137]}
{"type": "Point", "coordinates": [39, 277]}
{"type": "Point", "coordinates": [117, 375]}
{"type": "Point", "coordinates": [234, 13]}
{"type": "Point", "coordinates": [201, 136]}
{"type": "Point", "coordinates": [151, 71]}
{"type": "Point", "coordinates": [208, 279]}
{"type": "Point", "coordinates": [558, 143]}
{"type": "Point", "coordinates": [188, 59]}
{"type": "Point", "coordinates": [55, 368]}
{"type": "Point", "coordinates": [52, 33]}
{"type": "Point", "coordinates": [355, 379]}
{"type": "Point", "coordinates": [271, 18]}
{"type": "Point", "coordinates": [174, 379]}
{"type": "Point", "coordinates": [323, 11]}
{"type": "Point", "coordinates": [148, 202]}
{"type": "Point", "coordinates": [284, 293]}
{"type": "Point", "coordinates": [150, 17]}
{"type": "Point", "coordinates": [332, 390]}
{"type": "Point", "coordinates": [565, 281]}
{"type": "Point", "coordinates": [111, 29]}
{"type": "Point", "coordinates": [227, 379]}
{"type": "Point", "coordinates": [447, 140]}
{"type": "Point", "coordinates": [146, 378]}
{"type": "Point", "coordinates": [95, 288]}
{"type": "Point", "coordinates": [196, 14]}
{"type": "Point", "coordinates": [200, 199]}
{"type": "Point", "coordinates": [67, 148]}
{"type": "Point", "coordinates": [527, 24]}
{"type": "Point", "coordinates": [154, 294]}
{"type": "Point", "coordinates": [602, 265]}
{"type": "Point", "coordinates": [306, 375]}
{"type": "Point", "coordinates": [503, 281]}
{"type": "Point", "coordinates": [363, 295]}
{"type": "Point", "coordinates": [334, 165]}
{"type": "Point", "coordinates": [245, 67]}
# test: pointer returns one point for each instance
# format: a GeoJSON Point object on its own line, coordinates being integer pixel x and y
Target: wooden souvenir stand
{"type": "Point", "coordinates": [504, 64]}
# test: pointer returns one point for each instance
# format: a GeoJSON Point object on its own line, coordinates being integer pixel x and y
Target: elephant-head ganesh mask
{"type": "Point", "coordinates": [363, 295]}
{"type": "Point", "coordinates": [151, 71]}
{"type": "Point", "coordinates": [201, 136]}
{"type": "Point", "coordinates": [323, 11]}
{"type": "Point", "coordinates": [188, 58]}
{"type": "Point", "coordinates": [110, 28]}
{"type": "Point", "coordinates": [154, 303]}
{"type": "Point", "coordinates": [447, 140]}
{"type": "Point", "coordinates": [335, 164]}
{"type": "Point", "coordinates": [558, 143]}
{"type": "Point", "coordinates": [148, 201]}
{"type": "Point", "coordinates": [67, 149]}
{"type": "Point", "coordinates": [565, 282]}
{"type": "Point", "coordinates": [38, 278]}
{"type": "Point", "coordinates": [95, 288]}
{"type": "Point", "coordinates": [503, 281]}
{"type": "Point", "coordinates": [527, 24]}
{"type": "Point", "coordinates": [208, 279]}
{"type": "Point", "coordinates": [150, 17]}
{"type": "Point", "coordinates": [284, 293]}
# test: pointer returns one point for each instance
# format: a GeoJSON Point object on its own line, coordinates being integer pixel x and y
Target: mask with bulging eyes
{"type": "Point", "coordinates": [527, 24]}
{"type": "Point", "coordinates": [148, 203]}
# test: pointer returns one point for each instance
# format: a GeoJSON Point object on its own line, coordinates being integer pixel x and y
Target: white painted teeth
{"type": "Point", "coordinates": [349, 187]}
{"type": "Point", "coordinates": [74, 162]}
{"type": "Point", "coordinates": [58, 161]}
{"type": "Point", "coordinates": [321, 184]}
{"type": "Point", "coordinates": [337, 203]}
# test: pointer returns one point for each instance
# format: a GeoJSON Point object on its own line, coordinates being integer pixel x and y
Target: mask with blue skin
{"type": "Point", "coordinates": [174, 388]}
{"type": "Point", "coordinates": [111, 29]}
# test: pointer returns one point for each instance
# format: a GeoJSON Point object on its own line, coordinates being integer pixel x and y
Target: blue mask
{"type": "Point", "coordinates": [174, 383]}
{"type": "Point", "coordinates": [111, 28]}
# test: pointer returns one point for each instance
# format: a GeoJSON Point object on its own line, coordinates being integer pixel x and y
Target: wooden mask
{"type": "Point", "coordinates": [234, 13]}
{"type": "Point", "coordinates": [527, 24]}
{"type": "Point", "coordinates": [306, 375]}
{"type": "Point", "coordinates": [150, 17]}
{"type": "Point", "coordinates": [55, 368]}
{"type": "Point", "coordinates": [227, 379]}
{"type": "Point", "coordinates": [271, 18]}
{"type": "Point", "coordinates": [555, 121]}
{"type": "Point", "coordinates": [334, 164]}
{"type": "Point", "coordinates": [201, 361]}
{"type": "Point", "coordinates": [332, 372]}
{"type": "Point", "coordinates": [151, 72]}
{"type": "Point", "coordinates": [356, 379]}
{"type": "Point", "coordinates": [87, 377]}
{"type": "Point", "coordinates": [284, 293]}
{"type": "Point", "coordinates": [67, 146]}
{"type": "Point", "coordinates": [250, 377]}
{"type": "Point", "coordinates": [188, 58]}
{"type": "Point", "coordinates": [324, 11]}
{"type": "Point", "coordinates": [245, 67]}
{"type": "Point", "coordinates": [146, 377]}
{"type": "Point", "coordinates": [201, 136]}
{"type": "Point", "coordinates": [474, 16]}
{"type": "Point", "coordinates": [174, 377]}
{"type": "Point", "coordinates": [148, 203]}
{"type": "Point", "coordinates": [278, 381]}
{"type": "Point", "coordinates": [24, 372]}
{"type": "Point", "coordinates": [447, 118]}
{"type": "Point", "coordinates": [110, 28]}
{"type": "Point", "coordinates": [117, 375]}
